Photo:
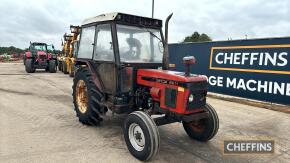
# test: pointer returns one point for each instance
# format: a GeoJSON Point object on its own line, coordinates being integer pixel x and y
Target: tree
{"type": "Point", "coordinates": [196, 37]}
{"type": "Point", "coordinates": [11, 50]}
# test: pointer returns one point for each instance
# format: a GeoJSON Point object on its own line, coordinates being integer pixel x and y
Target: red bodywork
{"type": "Point", "coordinates": [49, 56]}
{"type": "Point", "coordinates": [168, 79]}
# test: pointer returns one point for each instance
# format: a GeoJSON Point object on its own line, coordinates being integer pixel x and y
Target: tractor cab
{"type": "Point", "coordinates": [119, 44]}
{"type": "Point", "coordinates": [75, 30]}
{"type": "Point", "coordinates": [50, 48]}
{"type": "Point", "coordinates": [75, 48]}
{"type": "Point", "coordinates": [51, 51]}
{"type": "Point", "coordinates": [36, 47]}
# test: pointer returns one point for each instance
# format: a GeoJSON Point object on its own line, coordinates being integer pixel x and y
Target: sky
{"type": "Point", "coordinates": [47, 20]}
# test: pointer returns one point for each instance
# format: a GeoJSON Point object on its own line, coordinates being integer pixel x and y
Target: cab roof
{"type": "Point", "coordinates": [100, 18]}
{"type": "Point", "coordinates": [125, 18]}
{"type": "Point", "coordinates": [38, 43]}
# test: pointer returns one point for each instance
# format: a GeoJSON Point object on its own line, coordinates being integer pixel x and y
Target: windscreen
{"type": "Point", "coordinates": [50, 48]}
{"type": "Point", "coordinates": [138, 44]}
{"type": "Point", "coordinates": [40, 47]}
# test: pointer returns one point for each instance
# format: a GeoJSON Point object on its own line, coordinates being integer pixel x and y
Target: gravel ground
{"type": "Point", "coordinates": [38, 124]}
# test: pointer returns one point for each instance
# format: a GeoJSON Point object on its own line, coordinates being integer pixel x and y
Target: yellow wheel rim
{"type": "Point", "coordinates": [82, 96]}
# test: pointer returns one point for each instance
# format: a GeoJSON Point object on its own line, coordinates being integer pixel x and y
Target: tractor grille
{"type": "Point", "coordinates": [198, 86]}
{"type": "Point", "coordinates": [42, 57]}
{"type": "Point", "coordinates": [170, 97]}
{"type": "Point", "coordinates": [199, 91]}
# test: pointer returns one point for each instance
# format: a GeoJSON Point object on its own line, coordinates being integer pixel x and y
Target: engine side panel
{"type": "Point", "coordinates": [173, 92]}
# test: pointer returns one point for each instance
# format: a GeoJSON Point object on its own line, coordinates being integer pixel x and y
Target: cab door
{"type": "Point", "coordinates": [104, 57]}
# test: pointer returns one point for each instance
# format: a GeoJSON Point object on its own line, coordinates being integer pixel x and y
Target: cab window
{"type": "Point", "coordinates": [87, 42]}
{"type": "Point", "coordinates": [104, 45]}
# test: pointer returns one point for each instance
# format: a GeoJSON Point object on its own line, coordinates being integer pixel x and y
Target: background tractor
{"type": "Point", "coordinates": [122, 66]}
{"type": "Point", "coordinates": [51, 51]}
{"type": "Point", "coordinates": [38, 57]}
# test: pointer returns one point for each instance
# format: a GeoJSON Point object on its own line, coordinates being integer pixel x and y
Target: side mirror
{"type": "Point", "coordinates": [188, 61]}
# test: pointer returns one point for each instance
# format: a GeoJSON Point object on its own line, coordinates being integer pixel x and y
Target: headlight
{"type": "Point", "coordinates": [190, 98]}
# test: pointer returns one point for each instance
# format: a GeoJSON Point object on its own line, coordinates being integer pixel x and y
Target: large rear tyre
{"type": "Point", "coordinates": [64, 68]}
{"type": "Point", "coordinates": [203, 129]}
{"type": "Point", "coordinates": [86, 98]}
{"type": "Point", "coordinates": [29, 66]}
{"type": "Point", "coordinates": [52, 66]}
{"type": "Point", "coordinates": [141, 135]}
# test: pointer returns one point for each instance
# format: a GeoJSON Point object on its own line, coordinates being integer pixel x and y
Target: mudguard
{"type": "Point", "coordinates": [28, 55]}
{"type": "Point", "coordinates": [80, 63]}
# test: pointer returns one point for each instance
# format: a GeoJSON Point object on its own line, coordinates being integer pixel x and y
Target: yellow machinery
{"type": "Point", "coordinates": [71, 48]}
{"type": "Point", "coordinates": [65, 52]}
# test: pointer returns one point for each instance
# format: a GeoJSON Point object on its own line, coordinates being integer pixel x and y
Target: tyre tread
{"type": "Point", "coordinates": [93, 117]}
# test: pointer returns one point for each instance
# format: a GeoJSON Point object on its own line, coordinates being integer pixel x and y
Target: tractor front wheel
{"type": "Point", "coordinates": [71, 70]}
{"type": "Point", "coordinates": [141, 135]}
{"type": "Point", "coordinates": [64, 68]}
{"type": "Point", "coordinates": [203, 129]}
{"type": "Point", "coordinates": [86, 98]}
{"type": "Point", "coordinates": [52, 66]}
{"type": "Point", "coordinates": [59, 66]}
{"type": "Point", "coordinates": [29, 66]}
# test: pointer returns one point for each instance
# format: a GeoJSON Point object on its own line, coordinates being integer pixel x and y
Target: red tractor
{"type": "Point", "coordinates": [39, 56]}
{"type": "Point", "coordinates": [122, 66]}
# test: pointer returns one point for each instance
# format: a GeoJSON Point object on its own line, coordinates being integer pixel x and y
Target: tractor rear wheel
{"type": "Point", "coordinates": [29, 66]}
{"type": "Point", "coordinates": [64, 68]}
{"type": "Point", "coordinates": [203, 129]}
{"type": "Point", "coordinates": [141, 135]}
{"type": "Point", "coordinates": [86, 98]}
{"type": "Point", "coordinates": [52, 66]}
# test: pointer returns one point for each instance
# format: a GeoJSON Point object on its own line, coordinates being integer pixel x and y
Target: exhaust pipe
{"type": "Point", "coordinates": [165, 63]}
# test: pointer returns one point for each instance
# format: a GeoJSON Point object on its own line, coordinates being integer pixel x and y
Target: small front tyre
{"type": "Point", "coordinates": [141, 135]}
{"type": "Point", "coordinates": [71, 70]}
{"type": "Point", "coordinates": [203, 129]}
{"type": "Point", "coordinates": [64, 68]}
{"type": "Point", "coordinates": [59, 65]}
{"type": "Point", "coordinates": [52, 66]}
{"type": "Point", "coordinates": [29, 66]}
